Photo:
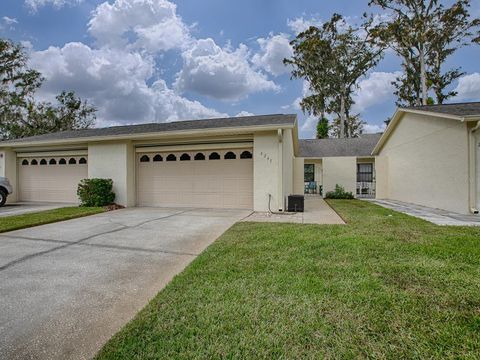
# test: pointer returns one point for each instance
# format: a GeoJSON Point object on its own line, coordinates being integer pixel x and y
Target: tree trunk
{"type": "Point", "coordinates": [423, 76]}
{"type": "Point", "coordinates": [342, 117]}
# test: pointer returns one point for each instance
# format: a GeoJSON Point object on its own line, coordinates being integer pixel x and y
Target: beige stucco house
{"type": "Point", "coordinates": [430, 155]}
{"type": "Point", "coordinates": [427, 156]}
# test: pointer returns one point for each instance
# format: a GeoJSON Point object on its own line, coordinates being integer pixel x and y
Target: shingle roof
{"type": "Point", "coordinates": [244, 121]}
{"type": "Point", "coordinates": [361, 146]}
{"type": "Point", "coordinates": [457, 109]}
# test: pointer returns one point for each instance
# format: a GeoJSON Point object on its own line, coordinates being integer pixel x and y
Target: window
{"type": "Point", "coordinates": [25, 162]}
{"type": "Point", "coordinates": [199, 156]}
{"type": "Point", "coordinates": [157, 158]}
{"type": "Point", "coordinates": [72, 161]}
{"type": "Point", "coordinates": [185, 157]}
{"type": "Point", "coordinates": [309, 172]}
{"type": "Point", "coordinates": [171, 157]}
{"type": "Point", "coordinates": [82, 161]}
{"type": "Point", "coordinates": [62, 161]}
{"type": "Point", "coordinates": [214, 156]}
{"type": "Point", "coordinates": [246, 155]}
{"type": "Point", "coordinates": [52, 162]}
{"type": "Point", "coordinates": [34, 162]}
{"type": "Point", "coordinates": [144, 158]}
{"type": "Point", "coordinates": [365, 172]}
{"type": "Point", "coordinates": [43, 162]}
{"type": "Point", "coordinates": [230, 155]}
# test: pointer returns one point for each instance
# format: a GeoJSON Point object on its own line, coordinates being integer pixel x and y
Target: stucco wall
{"type": "Point", "coordinates": [339, 170]}
{"type": "Point", "coordinates": [477, 146]}
{"type": "Point", "coordinates": [114, 161]}
{"type": "Point", "coordinates": [287, 169]}
{"type": "Point", "coordinates": [298, 183]}
{"type": "Point", "coordinates": [428, 162]}
{"type": "Point", "coordinates": [266, 177]}
{"type": "Point", "coordinates": [381, 176]}
{"type": "Point", "coordinates": [8, 168]}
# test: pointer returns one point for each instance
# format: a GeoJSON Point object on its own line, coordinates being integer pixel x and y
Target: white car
{"type": "Point", "coordinates": [5, 190]}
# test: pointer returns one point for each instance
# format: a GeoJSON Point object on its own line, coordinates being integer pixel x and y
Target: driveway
{"type": "Point", "coordinates": [25, 207]}
{"type": "Point", "coordinates": [66, 288]}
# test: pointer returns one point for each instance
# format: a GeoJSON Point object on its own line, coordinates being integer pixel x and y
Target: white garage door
{"type": "Point", "coordinates": [52, 179]}
{"type": "Point", "coordinates": [205, 179]}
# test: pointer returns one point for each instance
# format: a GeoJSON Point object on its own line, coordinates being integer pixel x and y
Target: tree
{"type": "Point", "coordinates": [20, 114]}
{"type": "Point", "coordinates": [322, 128]}
{"type": "Point", "coordinates": [424, 33]}
{"type": "Point", "coordinates": [332, 59]}
{"type": "Point", "coordinates": [354, 125]}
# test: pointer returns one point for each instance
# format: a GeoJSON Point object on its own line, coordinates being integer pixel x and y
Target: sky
{"type": "Point", "coordinates": [157, 60]}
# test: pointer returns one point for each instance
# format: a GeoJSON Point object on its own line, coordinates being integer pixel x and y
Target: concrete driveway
{"type": "Point", "coordinates": [25, 207]}
{"type": "Point", "coordinates": [66, 288]}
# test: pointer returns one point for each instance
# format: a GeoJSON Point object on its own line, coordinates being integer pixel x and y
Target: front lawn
{"type": "Point", "coordinates": [15, 222]}
{"type": "Point", "coordinates": [384, 286]}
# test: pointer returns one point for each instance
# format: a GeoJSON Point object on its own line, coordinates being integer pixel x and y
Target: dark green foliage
{"type": "Point", "coordinates": [96, 192]}
{"type": "Point", "coordinates": [339, 193]}
{"type": "Point", "coordinates": [322, 128]}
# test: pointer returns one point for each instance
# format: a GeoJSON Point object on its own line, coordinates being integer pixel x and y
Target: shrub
{"type": "Point", "coordinates": [96, 192]}
{"type": "Point", "coordinates": [339, 193]}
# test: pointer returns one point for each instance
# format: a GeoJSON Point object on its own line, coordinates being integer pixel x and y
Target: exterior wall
{"type": "Point", "coordinates": [114, 161]}
{"type": "Point", "coordinates": [339, 170]}
{"type": "Point", "coordinates": [298, 183]}
{"type": "Point", "coordinates": [477, 146]}
{"type": "Point", "coordinates": [266, 177]}
{"type": "Point", "coordinates": [428, 162]}
{"type": "Point", "coordinates": [381, 176]}
{"type": "Point", "coordinates": [287, 168]}
{"type": "Point", "coordinates": [8, 168]}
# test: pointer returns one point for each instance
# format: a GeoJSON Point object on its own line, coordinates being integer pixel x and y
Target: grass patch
{"type": "Point", "coordinates": [386, 285]}
{"type": "Point", "coordinates": [16, 222]}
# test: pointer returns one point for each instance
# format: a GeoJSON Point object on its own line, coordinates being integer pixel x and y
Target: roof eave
{"type": "Point", "coordinates": [153, 135]}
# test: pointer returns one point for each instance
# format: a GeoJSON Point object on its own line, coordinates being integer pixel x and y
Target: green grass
{"type": "Point", "coordinates": [15, 222]}
{"type": "Point", "coordinates": [385, 286]}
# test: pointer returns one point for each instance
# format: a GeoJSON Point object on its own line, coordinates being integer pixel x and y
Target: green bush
{"type": "Point", "coordinates": [339, 193]}
{"type": "Point", "coordinates": [96, 192]}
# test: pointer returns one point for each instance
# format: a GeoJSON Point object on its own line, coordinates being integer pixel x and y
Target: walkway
{"type": "Point", "coordinates": [317, 211]}
{"type": "Point", "coordinates": [436, 216]}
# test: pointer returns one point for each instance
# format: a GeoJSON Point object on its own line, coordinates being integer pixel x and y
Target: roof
{"type": "Point", "coordinates": [185, 125]}
{"type": "Point", "coordinates": [318, 148]}
{"type": "Point", "coordinates": [456, 109]}
{"type": "Point", "coordinates": [468, 111]}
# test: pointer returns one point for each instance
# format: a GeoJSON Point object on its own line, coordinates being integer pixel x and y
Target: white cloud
{"type": "Point", "coordinates": [148, 24]}
{"type": "Point", "coordinates": [308, 127]}
{"type": "Point", "coordinates": [244, 113]}
{"type": "Point", "coordinates": [9, 21]}
{"type": "Point", "coordinates": [301, 24]}
{"type": "Point", "coordinates": [273, 50]}
{"type": "Point", "coordinates": [220, 73]}
{"type": "Point", "coordinates": [34, 5]}
{"type": "Point", "coordinates": [116, 82]}
{"type": "Point", "coordinates": [373, 128]}
{"type": "Point", "coordinates": [468, 87]}
{"type": "Point", "coordinates": [375, 89]}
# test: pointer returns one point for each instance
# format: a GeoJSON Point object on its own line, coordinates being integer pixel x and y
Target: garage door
{"type": "Point", "coordinates": [205, 179]}
{"type": "Point", "coordinates": [53, 179]}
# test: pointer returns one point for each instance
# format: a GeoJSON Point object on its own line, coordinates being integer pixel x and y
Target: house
{"type": "Point", "coordinates": [430, 155]}
{"type": "Point", "coordinates": [328, 162]}
{"type": "Point", "coordinates": [243, 162]}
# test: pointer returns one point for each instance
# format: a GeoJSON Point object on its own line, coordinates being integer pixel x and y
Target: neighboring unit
{"type": "Point", "coordinates": [430, 155]}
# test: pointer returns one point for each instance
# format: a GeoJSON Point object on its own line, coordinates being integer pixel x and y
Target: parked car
{"type": "Point", "coordinates": [5, 190]}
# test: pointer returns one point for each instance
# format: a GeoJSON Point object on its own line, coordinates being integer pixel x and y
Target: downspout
{"type": "Point", "coordinates": [473, 171]}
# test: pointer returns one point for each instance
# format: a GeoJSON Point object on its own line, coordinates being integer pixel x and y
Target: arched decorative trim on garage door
{"type": "Point", "coordinates": [199, 156]}
{"type": "Point", "coordinates": [62, 161]}
{"type": "Point", "coordinates": [246, 155]}
{"type": "Point", "coordinates": [82, 161]}
{"type": "Point", "coordinates": [25, 162]}
{"type": "Point", "coordinates": [171, 157]}
{"type": "Point", "coordinates": [72, 161]}
{"type": "Point", "coordinates": [230, 155]}
{"type": "Point", "coordinates": [34, 162]}
{"type": "Point", "coordinates": [157, 158]}
{"type": "Point", "coordinates": [145, 158]}
{"type": "Point", "coordinates": [52, 162]}
{"type": "Point", "coordinates": [184, 157]}
{"type": "Point", "coordinates": [214, 156]}
{"type": "Point", "coordinates": [43, 162]}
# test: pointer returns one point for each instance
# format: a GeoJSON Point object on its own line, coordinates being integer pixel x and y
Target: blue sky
{"type": "Point", "coordinates": [159, 60]}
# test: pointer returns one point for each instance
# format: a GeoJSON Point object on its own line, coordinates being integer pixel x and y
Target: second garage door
{"type": "Point", "coordinates": [203, 179]}
{"type": "Point", "coordinates": [51, 179]}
